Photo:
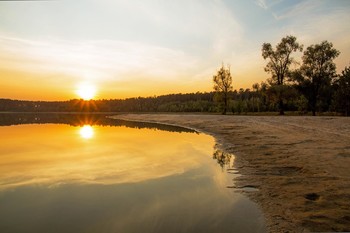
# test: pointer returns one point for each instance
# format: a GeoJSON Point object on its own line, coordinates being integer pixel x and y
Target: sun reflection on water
{"type": "Point", "coordinates": [92, 154]}
{"type": "Point", "coordinates": [86, 131]}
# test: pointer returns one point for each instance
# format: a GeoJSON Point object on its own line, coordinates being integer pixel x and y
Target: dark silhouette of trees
{"type": "Point", "coordinates": [190, 102]}
{"type": "Point", "coordinates": [223, 86]}
{"type": "Point", "coordinates": [316, 73]}
{"type": "Point", "coordinates": [342, 92]}
{"type": "Point", "coordinates": [279, 61]}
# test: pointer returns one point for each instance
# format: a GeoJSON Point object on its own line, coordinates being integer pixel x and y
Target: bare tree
{"type": "Point", "coordinates": [223, 85]}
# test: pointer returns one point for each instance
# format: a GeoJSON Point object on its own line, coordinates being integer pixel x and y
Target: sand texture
{"type": "Point", "coordinates": [300, 165]}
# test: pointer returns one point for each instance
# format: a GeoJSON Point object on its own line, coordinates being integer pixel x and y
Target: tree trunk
{"type": "Point", "coordinates": [225, 104]}
{"type": "Point", "coordinates": [281, 107]}
{"type": "Point", "coordinates": [313, 106]}
{"type": "Point", "coordinates": [225, 107]}
{"type": "Point", "coordinates": [314, 99]}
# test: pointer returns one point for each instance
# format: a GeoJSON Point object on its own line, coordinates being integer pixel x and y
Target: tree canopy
{"type": "Point", "coordinates": [342, 93]}
{"type": "Point", "coordinates": [317, 71]}
{"type": "Point", "coordinates": [279, 61]}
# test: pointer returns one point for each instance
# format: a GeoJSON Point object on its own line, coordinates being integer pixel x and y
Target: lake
{"type": "Point", "coordinates": [88, 173]}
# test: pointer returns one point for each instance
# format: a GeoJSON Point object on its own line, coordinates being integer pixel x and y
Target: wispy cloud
{"type": "Point", "coordinates": [268, 4]}
{"type": "Point", "coordinates": [262, 4]}
{"type": "Point", "coordinates": [105, 59]}
{"type": "Point", "coordinates": [302, 8]}
{"type": "Point", "coordinates": [149, 40]}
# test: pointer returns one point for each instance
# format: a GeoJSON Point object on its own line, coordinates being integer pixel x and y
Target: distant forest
{"type": "Point", "coordinates": [193, 102]}
{"type": "Point", "coordinates": [260, 98]}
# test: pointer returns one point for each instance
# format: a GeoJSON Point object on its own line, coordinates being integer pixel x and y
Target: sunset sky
{"type": "Point", "coordinates": [128, 48]}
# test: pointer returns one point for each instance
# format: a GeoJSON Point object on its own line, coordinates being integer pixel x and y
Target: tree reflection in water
{"type": "Point", "coordinates": [224, 159]}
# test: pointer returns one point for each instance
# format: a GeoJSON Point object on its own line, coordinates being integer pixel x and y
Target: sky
{"type": "Point", "coordinates": [49, 50]}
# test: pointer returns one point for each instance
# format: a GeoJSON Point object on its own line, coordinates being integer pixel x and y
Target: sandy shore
{"type": "Point", "coordinates": [301, 165]}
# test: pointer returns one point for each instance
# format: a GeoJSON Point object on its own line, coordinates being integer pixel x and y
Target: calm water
{"type": "Point", "coordinates": [86, 173]}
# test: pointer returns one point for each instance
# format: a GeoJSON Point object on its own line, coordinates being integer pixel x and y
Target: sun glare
{"type": "Point", "coordinates": [86, 132]}
{"type": "Point", "coordinates": [86, 91]}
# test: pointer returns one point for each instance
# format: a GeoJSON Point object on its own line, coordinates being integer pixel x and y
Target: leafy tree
{"type": "Point", "coordinates": [279, 61]}
{"type": "Point", "coordinates": [316, 73]}
{"type": "Point", "coordinates": [223, 85]}
{"type": "Point", "coordinates": [342, 94]}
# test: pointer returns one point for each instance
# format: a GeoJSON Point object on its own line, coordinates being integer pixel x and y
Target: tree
{"type": "Point", "coordinates": [317, 71]}
{"type": "Point", "coordinates": [223, 85]}
{"type": "Point", "coordinates": [342, 94]}
{"type": "Point", "coordinates": [279, 62]}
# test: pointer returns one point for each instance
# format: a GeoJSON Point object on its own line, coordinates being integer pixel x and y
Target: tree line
{"type": "Point", "coordinates": [190, 102]}
{"type": "Point", "coordinates": [260, 98]}
{"type": "Point", "coordinates": [314, 86]}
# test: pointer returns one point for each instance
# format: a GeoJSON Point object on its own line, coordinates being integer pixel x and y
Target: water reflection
{"type": "Point", "coordinates": [118, 155]}
{"type": "Point", "coordinates": [53, 154]}
{"type": "Point", "coordinates": [86, 131]}
{"type": "Point", "coordinates": [129, 178]}
{"type": "Point", "coordinates": [8, 119]}
{"type": "Point", "coordinates": [224, 159]}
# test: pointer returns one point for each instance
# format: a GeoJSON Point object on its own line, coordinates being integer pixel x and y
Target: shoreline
{"type": "Point", "coordinates": [299, 164]}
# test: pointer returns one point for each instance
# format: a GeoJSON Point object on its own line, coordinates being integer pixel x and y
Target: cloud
{"type": "Point", "coordinates": [267, 4]}
{"type": "Point", "coordinates": [302, 8]}
{"type": "Point", "coordinates": [262, 4]}
{"type": "Point", "coordinates": [147, 40]}
{"type": "Point", "coordinates": [104, 59]}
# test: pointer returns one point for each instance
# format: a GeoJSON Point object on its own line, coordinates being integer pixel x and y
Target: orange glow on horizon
{"type": "Point", "coordinates": [25, 86]}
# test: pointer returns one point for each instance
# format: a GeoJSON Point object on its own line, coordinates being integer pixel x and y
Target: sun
{"type": "Point", "coordinates": [86, 91]}
{"type": "Point", "coordinates": [86, 132]}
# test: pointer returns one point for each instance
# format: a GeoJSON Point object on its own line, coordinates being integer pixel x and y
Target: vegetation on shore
{"type": "Point", "coordinates": [313, 86]}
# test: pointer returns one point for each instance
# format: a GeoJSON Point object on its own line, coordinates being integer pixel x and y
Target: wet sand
{"type": "Point", "coordinates": [300, 165]}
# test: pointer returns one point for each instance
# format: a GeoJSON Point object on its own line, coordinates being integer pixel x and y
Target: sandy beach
{"type": "Point", "coordinates": [300, 165]}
